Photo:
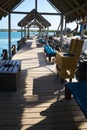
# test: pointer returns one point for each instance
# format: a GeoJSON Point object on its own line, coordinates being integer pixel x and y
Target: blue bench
{"type": "Point", "coordinates": [42, 41]}
{"type": "Point", "coordinates": [50, 52]}
{"type": "Point", "coordinates": [79, 92]}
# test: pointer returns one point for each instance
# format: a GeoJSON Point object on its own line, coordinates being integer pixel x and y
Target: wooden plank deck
{"type": "Point", "coordinates": [39, 102]}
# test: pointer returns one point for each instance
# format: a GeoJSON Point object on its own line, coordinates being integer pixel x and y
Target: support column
{"type": "Point", "coordinates": [9, 36]}
{"type": "Point", "coordinates": [61, 37]}
{"type": "Point", "coordinates": [39, 32]}
{"type": "Point", "coordinates": [65, 27]}
{"type": "Point", "coordinates": [47, 32]}
{"type": "Point", "coordinates": [28, 32]}
{"type": "Point", "coordinates": [36, 5]}
{"type": "Point", "coordinates": [25, 32]}
{"type": "Point", "coordinates": [21, 32]}
{"type": "Point", "coordinates": [82, 31]}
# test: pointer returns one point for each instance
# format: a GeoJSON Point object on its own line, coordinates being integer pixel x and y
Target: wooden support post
{"type": "Point", "coordinates": [36, 4]}
{"type": "Point", "coordinates": [21, 32]}
{"type": "Point", "coordinates": [82, 31]}
{"type": "Point", "coordinates": [65, 27]}
{"type": "Point", "coordinates": [9, 36]}
{"type": "Point", "coordinates": [28, 33]}
{"type": "Point", "coordinates": [25, 32]}
{"type": "Point", "coordinates": [61, 38]}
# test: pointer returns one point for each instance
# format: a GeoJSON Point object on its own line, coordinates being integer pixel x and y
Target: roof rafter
{"type": "Point", "coordinates": [2, 9]}
{"type": "Point", "coordinates": [81, 8]}
{"type": "Point", "coordinates": [76, 9]}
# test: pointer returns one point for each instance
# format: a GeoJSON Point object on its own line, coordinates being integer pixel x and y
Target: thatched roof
{"type": "Point", "coordinates": [31, 16]}
{"type": "Point", "coordinates": [6, 6]}
{"type": "Point", "coordinates": [71, 9]}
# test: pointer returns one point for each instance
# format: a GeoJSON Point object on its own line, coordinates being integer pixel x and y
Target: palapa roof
{"type": "Point", "coordinates": [72, 9]}
{"type": "Point", "coordinates": [6, 6]}
{"type": "Point", "coordinates": [34, 15]}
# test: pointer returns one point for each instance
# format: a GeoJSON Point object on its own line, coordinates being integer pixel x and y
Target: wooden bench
{"type": "Point", "coordinates": [50, 52]}
{"type": "Point", "coordinates": [9, 74]}
{"type": "Point", "coordinates": [79, 92]}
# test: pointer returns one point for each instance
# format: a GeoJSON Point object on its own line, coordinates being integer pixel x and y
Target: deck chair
{"type": "Point", "coordinates": [66, 62]}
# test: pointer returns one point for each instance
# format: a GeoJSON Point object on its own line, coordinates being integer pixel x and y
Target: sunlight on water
{"type": "Point", "coordinates": [15, 36]}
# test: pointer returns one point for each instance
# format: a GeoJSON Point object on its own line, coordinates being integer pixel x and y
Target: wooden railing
{"type": "Point", "coordinates": [4, 55]}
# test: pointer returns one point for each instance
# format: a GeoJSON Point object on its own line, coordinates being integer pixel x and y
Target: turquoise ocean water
{"type": "Point", "coordinates": [15, 36]}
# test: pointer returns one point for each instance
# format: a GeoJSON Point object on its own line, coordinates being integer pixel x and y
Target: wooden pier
{"type": "Point", "coordinates": [39, 102]}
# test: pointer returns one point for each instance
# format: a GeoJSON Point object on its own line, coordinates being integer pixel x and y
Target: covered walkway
{"type": "Point", "coordinates": [38, 103]}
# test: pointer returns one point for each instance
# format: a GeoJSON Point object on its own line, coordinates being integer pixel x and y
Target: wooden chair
{"type": "Point", "coordinates": [66, 62]}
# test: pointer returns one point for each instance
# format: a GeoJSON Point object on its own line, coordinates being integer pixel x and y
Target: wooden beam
{"type": "Point", "coordinates": [43, 13]}
{"type": "Point", "coordinates": [76, 9]}
{"type": "Point", "coordinates": [53, 6]}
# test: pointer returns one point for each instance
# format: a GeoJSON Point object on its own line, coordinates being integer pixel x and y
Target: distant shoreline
{"type": "Point", "coordinates": [19, 30]}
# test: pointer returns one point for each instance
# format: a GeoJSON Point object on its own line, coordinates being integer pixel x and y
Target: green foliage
{"type": "Point", "coordinates": [85, 32]}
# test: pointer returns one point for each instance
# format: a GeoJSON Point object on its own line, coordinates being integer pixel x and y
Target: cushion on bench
{"type": "Point", "coordinates": [49, 50]}
{"type": "Point", "coordinates": [79, 91]}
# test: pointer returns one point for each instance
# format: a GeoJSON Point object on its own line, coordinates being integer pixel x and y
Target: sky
{"type": "Point", "coordinates": [27, 6]}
